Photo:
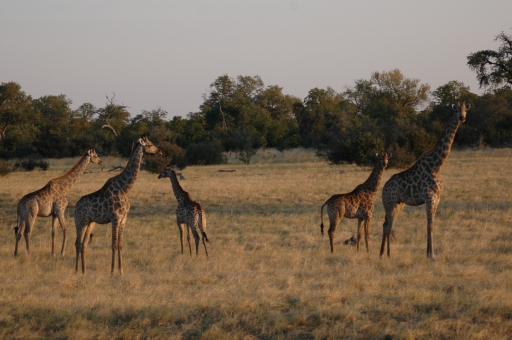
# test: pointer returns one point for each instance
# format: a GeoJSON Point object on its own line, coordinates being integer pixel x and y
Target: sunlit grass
{"type": "Point", "coordinates": [270, 273]}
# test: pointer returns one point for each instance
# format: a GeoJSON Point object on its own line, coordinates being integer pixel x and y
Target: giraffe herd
{"type": "Point", "coordinates": [417, 185]}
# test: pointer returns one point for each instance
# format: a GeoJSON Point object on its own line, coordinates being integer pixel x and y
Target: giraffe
{"type": "Point", "coordinates": [356, 204]}
{"type": "Point", "coordinates": [110, 205]}
{"type": "Point", "coordinates": [188, 212]}
{"type": "Point", "coordinates": [50, 200]}
{"type": "Point", "coordinates": [421, 183]}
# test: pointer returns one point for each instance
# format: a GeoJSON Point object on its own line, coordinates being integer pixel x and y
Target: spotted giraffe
{"type": "Point", "coordinates": [110, 205]}
{"type": "Point", "coordinates": [421, 183]}
{"type": "Point", "coordinates": [356, 204]}
{"type": "Point", "coordinates": [188, 212]}
{"type": "Point", "coordinates": [50, 200]}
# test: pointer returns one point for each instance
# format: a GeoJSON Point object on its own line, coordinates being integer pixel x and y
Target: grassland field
{"type": "Point", "coordinates": [270, 274]}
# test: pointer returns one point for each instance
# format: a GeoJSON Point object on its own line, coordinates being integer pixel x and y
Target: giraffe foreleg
{"type": "Point", "coordinates": [188, 238]}
{"type": "Point", "coordinates": [120, 245]}
{"type": "Point", "coordinates": [115, 244]}
{"type": "Point", "coordinates": [360, 222]}
{"type": "Point", "coordinates": [367, 233]}
{"type": "Point", "coordinates": [431, 207]}
{"type": "Point", "coordinates": [62, 222]}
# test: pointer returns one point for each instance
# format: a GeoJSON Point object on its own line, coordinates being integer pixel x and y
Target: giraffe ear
{"type": "Point", "coordinates": [454, 108]}
{"type": "Point", "coordinates": [389, 155]}
{"type": "Point", "coordinates": [378, 155]}
{"type": "Point", "coordinates": [468, 106]}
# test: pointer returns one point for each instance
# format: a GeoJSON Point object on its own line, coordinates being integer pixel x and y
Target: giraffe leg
{"type": "Point", "coordinates": [62, 222]}
{"type": "Point", "coordinates": [431, 207]}
{"type": "Point", "coordinates": [360, 221]}
{"type": "Point", "coordinates": [202, 227]}
{"type": "Point", "coordinates": [332, 230]}
{"type": "Point", "coordinates": [115, 234]}
{"type": "Point", "coordinates": [84, 236]}
{"type": "Point", "coordinates": [28, 229]}
{"type": "Point", "coordinates": [392, 211]}
{"type": "Point", "coordinates": [54, 221]}
{"type": "Point", "coordinates": [196, 239]}
{"type": "Point", "coordinates": [120, 245]}
{"type": "Point", "coordinates": [17, 232]}
{"type": "Point", "coordinates": [367, 233]}
{"type": "Point", "coordinates": [180, 227]}
{"type": "Point", "coordinates": [188, 239]}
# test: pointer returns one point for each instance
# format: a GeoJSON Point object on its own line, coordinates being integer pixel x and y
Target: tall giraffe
{"type": "Point", "coordinates": [356, 204]}
{"type": "Point", "coordinates": [421, 183]}
{"type": "Point", "coordinates": [188, 212]}
{"type": "Point", "coordinates": [110, 205]}
{"type": "Point", "coordinates": [50, 200]}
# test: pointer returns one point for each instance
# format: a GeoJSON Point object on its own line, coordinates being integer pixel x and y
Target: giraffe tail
{"type": "Point", "coordinates": [322, 218]}
{"type": "Point", "coordinates": [202, 224]}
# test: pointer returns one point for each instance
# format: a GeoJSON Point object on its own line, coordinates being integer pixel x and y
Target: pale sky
{"type": "Point", "coordinates": [166, 53]}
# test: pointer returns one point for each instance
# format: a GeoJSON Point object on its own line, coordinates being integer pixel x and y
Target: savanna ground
{"type": "Point", "coordinates": [270, 274]}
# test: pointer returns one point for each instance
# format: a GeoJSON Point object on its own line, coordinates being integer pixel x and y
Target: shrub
{"type": "Point", "coordinates": [205, 153]}
{"type": "Point", "coordinates": [171, 154]}
{"type": "Point", "coordinates": [31, 162]}
{"type": "Point", "coordinates": [400, 157]}
{"type": "Point", "coordinates": [5, 168]}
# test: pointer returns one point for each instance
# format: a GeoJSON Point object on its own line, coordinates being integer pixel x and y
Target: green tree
{"type": "Point", "coordinates": [494, 68]}
{"type": "Point", "coordinates": [316, 115]}
{"type": "Point", "coordinates": [55, 127]}
{"type": "Point", "coordinates": [388, 95]}
{"type": "Point", "coordinates": [14, 106]}
{"type": "Point", "coordinates": [444, 94]}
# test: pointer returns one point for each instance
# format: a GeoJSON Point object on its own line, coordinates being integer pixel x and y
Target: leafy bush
{"type": "Point", "coordinates": [5, 168]}
{"type": "Point", "coordinates": [171, 154]}
{"type": "Point", "coordinates": [205, 153]}
{"type": "Point", "coordinates": [401, 158]}
{"type": "Point", "coordinates": [31, 162]}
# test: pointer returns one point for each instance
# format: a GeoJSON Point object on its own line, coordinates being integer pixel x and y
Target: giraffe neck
{"type": "Point", "coordinates": [373, 181]}
{"type": "Point", "coordinates": [181, 195]}
{"type": "Point", "coordinates": [435, 158]}
{"type": "Point", "coordinates": [125, 180]}
{"type": "Point", "coordinates": [67, 180]}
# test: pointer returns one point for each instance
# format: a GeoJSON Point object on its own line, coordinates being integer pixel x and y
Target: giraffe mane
{"type": "Point", "coordinates": [72, 169]}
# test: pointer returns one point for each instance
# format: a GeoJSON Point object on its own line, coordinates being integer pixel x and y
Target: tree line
{"type": "Point", "coordinates": [388, 111]}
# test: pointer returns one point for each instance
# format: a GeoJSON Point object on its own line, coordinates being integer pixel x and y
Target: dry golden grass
{"type": "Point", "coordinates": [270, 273]}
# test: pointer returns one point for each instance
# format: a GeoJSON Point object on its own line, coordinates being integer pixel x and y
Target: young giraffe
{"type": "Point", "coordinates": [50, 200]}
{"type": "Point", "coordinates": [356, 204]}
{"type": "Point", "coordinates": [110, 205]}
{"type": "Point", "coordinates": [188, 212]}
{"type": "Point", "coordinates": [421, 183]}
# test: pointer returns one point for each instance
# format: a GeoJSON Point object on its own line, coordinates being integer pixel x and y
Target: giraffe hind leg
{"type": "Point", "coordinates": [18, 230]}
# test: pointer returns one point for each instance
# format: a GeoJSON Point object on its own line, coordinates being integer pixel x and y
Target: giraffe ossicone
{"type": "Point", "coordinates": [421, 183]}
{"type": "Point", "coordinates": [50, 200]}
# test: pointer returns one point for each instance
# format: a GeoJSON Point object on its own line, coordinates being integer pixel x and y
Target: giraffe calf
{"type": "Point", "coordinates": [356, 204]}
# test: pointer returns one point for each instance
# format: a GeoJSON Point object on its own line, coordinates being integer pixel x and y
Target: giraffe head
{"type": "Point", "coordinates": [166, 173]}
{"type": "Point", "coordinates": [383, 157]}
{"type": "Point", "coordinates": [148, 146]}
{"type": "Point", "coordinates": [94, 156]}
{"type": "Point", "coordinates": [460, 109]}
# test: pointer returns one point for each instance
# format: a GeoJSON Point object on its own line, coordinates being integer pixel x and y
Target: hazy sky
{"type": "Point", "coordinates": [166, 53]}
